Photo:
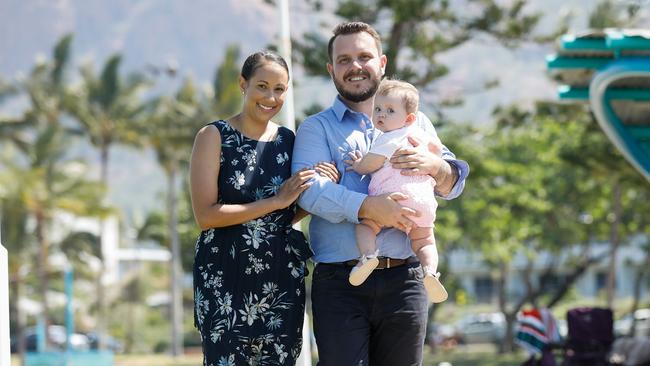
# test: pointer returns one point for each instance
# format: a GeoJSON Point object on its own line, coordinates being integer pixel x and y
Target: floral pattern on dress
{"type": "Point", "coordinates": [249, 289]}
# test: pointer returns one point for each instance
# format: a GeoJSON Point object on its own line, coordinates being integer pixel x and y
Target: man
{"type": "Point", "coordinates": [383, 321]}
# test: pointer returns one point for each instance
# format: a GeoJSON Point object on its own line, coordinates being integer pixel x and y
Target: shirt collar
{"type": "Point", "coordinates": [339, 108]}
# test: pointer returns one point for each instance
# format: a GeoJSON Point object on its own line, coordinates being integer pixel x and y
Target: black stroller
{"type": "Point", "coordinates": [590, 337]}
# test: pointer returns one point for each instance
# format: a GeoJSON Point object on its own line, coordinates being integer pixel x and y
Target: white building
{"type": "Point", "coordinates": [479, 281]}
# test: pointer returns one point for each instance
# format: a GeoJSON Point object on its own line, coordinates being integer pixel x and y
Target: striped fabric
{"type": "Point", "coordinates": [536, 329]}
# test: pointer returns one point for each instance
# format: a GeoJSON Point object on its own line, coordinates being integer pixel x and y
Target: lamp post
{"type": "Point", "coordinates": [290, 122]}
{"type": "Point", "coordinates": [5, 351]}
{"type": "Point", "coordinates": [285, 50]}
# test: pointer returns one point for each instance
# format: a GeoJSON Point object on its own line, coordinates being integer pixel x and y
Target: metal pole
{"type": "Point", "coordinates": [5, 350]}
{"type": "Point", "coordinates": [285, 51]}
{"type": "Point", "coordinates": [290, 122]}
{"type": "Point", "coordinates": [69, 314]}
{"type": "Point", "coordinates": [176, 304]}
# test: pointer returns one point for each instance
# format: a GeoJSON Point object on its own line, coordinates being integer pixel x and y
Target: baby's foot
{"type": "Point", "coordinates": [362, 269]}
{"type": "Point", "coordinates": [435, 290]}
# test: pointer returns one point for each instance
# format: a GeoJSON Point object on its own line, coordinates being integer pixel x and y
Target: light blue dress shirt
{"type": "Point", "coordinates": [329, 136]}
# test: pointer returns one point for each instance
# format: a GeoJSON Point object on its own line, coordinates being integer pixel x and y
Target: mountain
{"type": "Point", "coordinates": [194, 35]}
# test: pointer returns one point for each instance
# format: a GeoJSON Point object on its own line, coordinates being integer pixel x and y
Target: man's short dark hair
{"type": "Point", "coordinates": [352, 28]}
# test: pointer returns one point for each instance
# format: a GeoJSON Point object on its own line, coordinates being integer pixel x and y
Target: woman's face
{"type": "Point", "coordinates": [264, 91]}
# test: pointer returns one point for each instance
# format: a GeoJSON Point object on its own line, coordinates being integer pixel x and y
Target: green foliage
{"type": "Point", "coordinates": [39, 179]}
{"type": "Point", "coordinates": [108, 108]}
{"type": "Point", "coordinates": [614, 14]}
{"type": "Point", "coordinates": [541, 181]}
{"type": "Point", "coordinates": [227, 96]}
{"type": "Point", "coordinates": [422, 29]}
{"type": "Point", "coordinates": [61, 57]}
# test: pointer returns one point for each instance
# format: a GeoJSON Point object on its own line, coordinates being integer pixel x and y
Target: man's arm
{"type": "Point", "coordinates": [446, 178]}
{"type": "Point", "coordinates": [333, 202]}
{"type": "Point", "coordinates": [336, 202]}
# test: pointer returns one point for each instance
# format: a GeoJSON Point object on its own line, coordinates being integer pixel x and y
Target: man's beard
{"type": "Point", "coordinates": [360, 96]}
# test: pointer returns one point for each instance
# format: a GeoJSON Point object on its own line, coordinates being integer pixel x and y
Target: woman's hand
{"type": "Point", "coordinates": [293, 187]}
{"type": "Point", "coordinates": [328, 170]}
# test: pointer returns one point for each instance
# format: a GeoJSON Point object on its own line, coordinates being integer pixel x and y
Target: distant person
{"type": "Point", "coordinates": [394, 114]}
{"type": "Point", "coordinates": [382, 322]}
{"type": "Point", "coordinates": [249, 265]}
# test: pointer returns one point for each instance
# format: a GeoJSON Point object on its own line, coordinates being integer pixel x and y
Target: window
{"type": "Point", "coordinates": [484, 288]}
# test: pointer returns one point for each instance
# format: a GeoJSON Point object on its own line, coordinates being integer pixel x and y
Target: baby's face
{"type": "Point", "coordinates": [389, 113]}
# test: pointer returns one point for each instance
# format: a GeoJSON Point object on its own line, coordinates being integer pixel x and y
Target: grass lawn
{"type": "Point", "coordinates": [461, 356]}
{"type": "Point", "coordinates": [475, 355]}
{"type": "Point", "coordinates": [156, 360]}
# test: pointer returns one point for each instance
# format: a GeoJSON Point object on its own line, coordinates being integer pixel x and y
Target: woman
{"type": "Point", "coordinates": [249, 266]}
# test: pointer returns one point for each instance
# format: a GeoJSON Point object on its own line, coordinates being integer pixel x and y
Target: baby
{"type": "Point", "coordinates": [396, 104]}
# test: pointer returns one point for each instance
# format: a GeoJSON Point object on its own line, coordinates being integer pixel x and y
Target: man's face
{"type": "Point", "coordinates": [357, 66]}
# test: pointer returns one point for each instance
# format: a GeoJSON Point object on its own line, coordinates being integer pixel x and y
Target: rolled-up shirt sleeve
{"type": "Point", "coordinates": [326, 199]}
{"type": "Point", "coordinates": [460, 165]}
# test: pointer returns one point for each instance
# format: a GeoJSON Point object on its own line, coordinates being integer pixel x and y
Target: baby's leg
{"type": "Point", "coordinates": [366, 235]}
{"type": "Point", "coordinates": [423, 244]}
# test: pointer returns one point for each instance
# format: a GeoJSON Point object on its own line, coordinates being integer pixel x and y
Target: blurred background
{"type": "Point", "coordinates": [100, 102]}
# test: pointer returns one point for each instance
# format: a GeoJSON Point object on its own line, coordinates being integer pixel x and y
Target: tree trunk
{"type": "Point", "coordinates": [394, 46]}
{"type": "Point", "coordinates": [502, 284]}
{"type": "Point", "coordinates": [43, 269]}
{"type": "Point", "coordinates": [17, 315]}
{"type": "Point", "coordinates": [176, 270]}
{"type": "Point", "coordinates": [101, 291]}
{"type": "Point", "coordinates": [614, 242]}
{"type": "Point", "coordinates": [508, 342]}
{"type": "Point", "coordinates": [638, 283]}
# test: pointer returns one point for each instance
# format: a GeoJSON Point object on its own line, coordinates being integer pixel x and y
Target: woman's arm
{"type": "Point", "coordinates": [204, 170]}
{"type": "Point", "coordinates": [300, 214]}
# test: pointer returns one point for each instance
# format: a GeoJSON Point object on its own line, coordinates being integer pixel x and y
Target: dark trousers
{"type": "Point", "coordinates": [381, 322]}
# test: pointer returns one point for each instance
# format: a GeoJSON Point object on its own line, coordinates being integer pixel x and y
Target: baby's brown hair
{"type": "Point", "coordinates": [408, 93]}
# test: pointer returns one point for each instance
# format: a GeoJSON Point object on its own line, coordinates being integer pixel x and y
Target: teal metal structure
{"type": "Point", "coordinates": [69, 357]}
{"type": "Point", "coordinates": [610, 69]}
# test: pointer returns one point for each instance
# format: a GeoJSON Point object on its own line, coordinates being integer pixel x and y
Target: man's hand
{"type": "Point", "coordinates": [418, 161]}
{"type": "Point", "coordinates": [386, 211]}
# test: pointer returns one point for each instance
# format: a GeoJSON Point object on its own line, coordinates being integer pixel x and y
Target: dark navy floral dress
{"type": "Point", "coordinates": [249, 287]}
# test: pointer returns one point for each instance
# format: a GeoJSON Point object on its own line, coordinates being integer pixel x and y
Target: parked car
{"type": "Point", "coordinates": [623, 326]}
{"type": "Point", "coordinates": [442, 335]}
{"type": "Point", "coordinates": [482, 328]}
{"type": "Point", "coordinates": [57, 336]}
{"type": "Point", "coordinates": [110, 343]}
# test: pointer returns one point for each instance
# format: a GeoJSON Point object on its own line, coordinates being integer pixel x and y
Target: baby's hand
{"type": "Point", "coordinates": [354, 161]}
{"type": "Point", "coordinates": [328, 170]}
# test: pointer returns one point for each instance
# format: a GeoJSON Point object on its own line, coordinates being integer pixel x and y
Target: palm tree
{"type": "Point", "coordinates": [170, 133]}
{"type": "Point", "coordinates": [43, 89]}
{"type": "Point", "coordinates": [227, 97]}
{"type": "Point", "coordinates": [41, 183]}
{"type": "Point", "coordinates": [16, 237]}
{"type": "Point", "coordinates": [108, 109]}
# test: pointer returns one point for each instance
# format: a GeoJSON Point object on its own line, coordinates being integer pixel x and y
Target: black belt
{"type": "Point", "coordinates": [384, 262]}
